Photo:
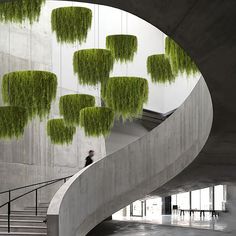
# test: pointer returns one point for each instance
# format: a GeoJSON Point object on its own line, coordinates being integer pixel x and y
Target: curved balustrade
{"type": "Point", "coordinates": [129, 174]}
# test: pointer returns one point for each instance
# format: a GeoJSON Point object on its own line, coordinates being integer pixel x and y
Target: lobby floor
{"type": "Point", "coordinates": [125, 228]}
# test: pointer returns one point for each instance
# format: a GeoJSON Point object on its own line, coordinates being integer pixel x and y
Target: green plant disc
{"type": "Point", "coordinates": [70, 106]}
{"type": "Point", "coordinates": [59, 132]}
{"type": "Point", "coordinates": [126, 96]}
{"type": "Point", "coordinates": [122, 46]}
{"type": "Point", "coordinates": [19, 11]}
{"type": "Point", "coordinates": [158, 66]}
{"type": "Point", "coordinates": [97, 121]}
{"type": "Point", "coordinates": [71, 24]}
{"type": "Point", "coordinates": [34, 90]}
{"type": "Point", "coordinates": [93, 66]}
{"type": "Point", "coordinates": [12, 121]}
{"type": "Point", "coordinates": [180, 60]}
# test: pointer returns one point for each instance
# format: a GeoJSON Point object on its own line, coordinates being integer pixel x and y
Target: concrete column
{"type": "Point", "coordinates": [166, 206]}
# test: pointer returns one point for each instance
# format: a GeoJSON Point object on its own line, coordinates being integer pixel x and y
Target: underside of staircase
{"type": "Point", "coordinates": [25, 221]}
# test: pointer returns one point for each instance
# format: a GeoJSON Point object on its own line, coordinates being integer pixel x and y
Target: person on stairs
{"type": "Point", "coordinates": [88, 159]}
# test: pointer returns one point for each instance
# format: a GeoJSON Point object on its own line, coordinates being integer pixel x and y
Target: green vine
{"type": "Point", "coordinates": [96, 121]}
{"type": "Point", "coordinates": [180, 60]}
{"type": "Point", "coordinates": [71, 24]}
{"type": "Point", "coordinates": [59, 133]}
{"type": "Point", "coordinates": [158, 66]}
{"type": "Point", "coordinates": [34, 90]}
{"type": "Point", "coordinates": [12, 121]}
{"type": "Point", "coordinates": [123, 47]}
{"type": "Point", "coordinates": [93, 65]}
{"type": "Point", "coordinates": [126, 96]}
{"type": "Point", "coordinates": [70, 106]}
{"type": "Point", "coordinates": [19, 11]}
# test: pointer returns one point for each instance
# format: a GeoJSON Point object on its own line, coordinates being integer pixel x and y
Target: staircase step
{"type": "Point", "coordinates": [44, 204]}
{"type": "Point", "coordinates": [31, 229]}
{"type": "Point", "coordinates": [22, 234]}
{"type": "Point", "coordinates": [23, 217]}
{"type": "Point", "coordinates": [23, 222]}
{"type": "Point", "coordinates": [40, 208]}
{"type": "Point", "coordinates": [28, 212]}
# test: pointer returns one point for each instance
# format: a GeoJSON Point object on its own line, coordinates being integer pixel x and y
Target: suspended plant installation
{"type": "Point", "coordinates": [34, 90]}
{"type": "Point", "coordinates": [126, 96]}
{"type": "Point", "coordinates": [93, 65]}
{"type": "Point", "coordinates": [96, 121]}
{"type": "Point", "coordinates": [71, 105]}
{"type": "Point", "coordinates": [180, 61]}
{"type": "Point", "coordinates": [19, 11]}
{"type": "Point", "coordinates": [12, 121]}
{"type": "Point", "coordinates": [158, 66]}
{"type": "Point", "coordinates": [123, 47]}
{"type": "Point", "coordinates": [59, 133]}
{"type": "Point", "coordinates": [71, 24]}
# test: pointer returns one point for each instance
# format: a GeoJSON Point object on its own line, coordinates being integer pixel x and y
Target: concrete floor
{"type": "Point", "coordinates": [125, 228]}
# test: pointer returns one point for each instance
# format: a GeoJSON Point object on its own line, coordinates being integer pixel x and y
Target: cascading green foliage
{"type": "Point", "coordinates": [126, 96]}
{"type": "Point", "coordinates": [71, 105]}
{"type": "Point", "coordinates": [59, 133]}
{"type": "Point", "coordinates": [93, 65]}
{"type": "Point", "coordinates": [71, 24]}
{"type": "Point", "coordinates": [123, 47]}
{"type": "Point", "coordinates": [12, 121]}
{"type": "Point", "coordinates": [19, 11]}
{"type": "Point", "coordinates": [34, 90]}
{"type": "Point", "coordinates": [96, 121]}
{"type": "Point", "coordinates": [180, 60]}
{"type": "Point", "coordinates": [158, 66]}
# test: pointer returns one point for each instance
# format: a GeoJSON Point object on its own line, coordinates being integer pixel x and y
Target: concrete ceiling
{"type": "Point", "coordinates": [206, 29]}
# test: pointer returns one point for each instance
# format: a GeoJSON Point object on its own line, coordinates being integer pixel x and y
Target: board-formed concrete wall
{"type": "Point", "coordinates": [33, 158]}
{"type": "Point", "coordinates": [129, 174]}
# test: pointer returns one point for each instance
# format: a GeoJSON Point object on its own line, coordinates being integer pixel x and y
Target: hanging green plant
{"type": "Point", "coordinates": [12, 121]}
{"type": "Point", "coordinates": [93, 65]}
{"type": "Point", "coordinates": [96, 121]}
{"type": "Point", "coordinates": [126, 96]}
{"type": "Point", "coordinates": [59, 133]}
{"type": "Point", "coordinates": [123, 47]}
{"type": "Point", "coordinates": [158, 66]}
{"type": "Point", "coordinates": [34, 90]}
{"type": "Point", "coordinates": [70, 106]}
{"type": "Point", "coordinates": [19, 11]}
{"type": "Point", "coordinates": [180, 60]}
{"type": "Point", "coordinates": [71, 24]}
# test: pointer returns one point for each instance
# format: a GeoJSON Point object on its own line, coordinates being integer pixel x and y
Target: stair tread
{"type": "Point", "coordinates": [29, 221]}
{"type": "Point", "coordinates": [23, 233]}
{"type": "Point", "coordinates": [24, 226]}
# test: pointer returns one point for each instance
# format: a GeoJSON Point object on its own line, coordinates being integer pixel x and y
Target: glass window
{"type": "Point", "coordinates": [219, 197]}
{"type": "Point", "coordinates": [183, 200]}
{"type": "Point", "coordinates": [196, 202]}
{"type": "Point", "coordinates": [205, 199]}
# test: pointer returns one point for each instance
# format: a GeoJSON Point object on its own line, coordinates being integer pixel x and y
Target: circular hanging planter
{"type": "Point", "coordinates": [158, 66]}
{"type": "Point", "coordinates": [93, 65]}
{"type": "Point", "coordinates": [18, 11]}
{"type": "Point", "coordinates": [126, 96]}
{"type": "Point", "coordinates": [123, 47]}
{"type": "Point", "coordinates": [12, 121]}
{"type": "Point", "coordinates": [96, 121]}
{"type": "Point", "coordinates": [180, 60]}
{"type": "Point", "coordinates": [71, 24]}
{"type": "Point", "coordinates": [70, 106]}
{"type": "Point", "coordinates": [59, 133]}
{"type": "Point", "coordinates": [34, 90]}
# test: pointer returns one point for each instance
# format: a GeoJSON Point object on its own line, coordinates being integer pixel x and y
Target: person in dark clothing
{"type": "Point", "coordinates": [89, 160]}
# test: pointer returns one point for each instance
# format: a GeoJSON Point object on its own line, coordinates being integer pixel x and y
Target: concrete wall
{"type": "Point", "coordinates": [33, 158]}
{"type": "Point", "coordinates": [129, 174]}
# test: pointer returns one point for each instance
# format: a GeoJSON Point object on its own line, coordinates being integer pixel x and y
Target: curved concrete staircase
{"type": "Point", "coordinates": [96, 192]}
